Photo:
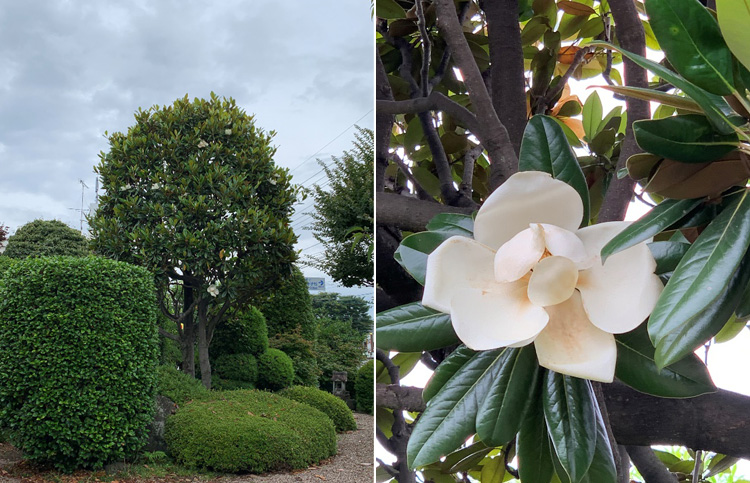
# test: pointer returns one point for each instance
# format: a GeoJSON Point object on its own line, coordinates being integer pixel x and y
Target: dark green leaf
{"type": "Point", "coordinates": [636, 368]}
{"type": "Point", "coordinates": [569, 409]}
{"type": "Point", "coordinates": [452, 364]}
{"type": "Point", "coordinates": [450, 415]}
{"type": "Point", "coordinates": [743, 309]}
{"type": "Point", "coordinates": [665, 214]}
{"type": "Point", "coordinates": [689, 138]}
{"type": "Point", "coordinates": [700, 279]}
{"type": "Point", "coordinates": [389, 9]}
{"type": "Point", "coordinates": [465, 458]}
{"type": "Point", "coordinates": [723, 118]}
{"type": "Point", "coordinates": [455, 223]}
{"type": "Point", "coordinates": [414, 249]}
{"type": "Point", "coordinates": [534, 451]}
{"type": "Point", "coordinates": [500, 414]}
{"type": "Point", "coordinates": [545, 148]}
{"type": "Point", "coordinates": [414, 328]}
{"type": "Point", "coordinates": [692, 42]}
{"type": "Point", "coordinates": [602, 469]}
{"type": "Point", "coordinates": [663, 98]}
{"type": "Point", "coordinates": [667, 254]}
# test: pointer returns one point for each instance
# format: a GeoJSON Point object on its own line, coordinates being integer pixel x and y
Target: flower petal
{"type": "Point", "coordinates": [459, 262]}
{"type": "Point", "coordinates": [526, 197]}
{"type": "Point", "coordinates": [518, 255]}
{"type": "Point", "coordinates": [564, 243]}
{"type": "Point", "coordinates": [485, 320]}
{"type": "Point", "coordinates": [621, 294]}
{"type": "Point", "coordinates": [552, 281]}
{"type": "Point", "coordinates": [571, 345]}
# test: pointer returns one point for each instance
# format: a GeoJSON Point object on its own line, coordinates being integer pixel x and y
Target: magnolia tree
{"type": "Point", "coordinates": [561, 338]}
{"type": "Point", "coordinates": [192, 193]}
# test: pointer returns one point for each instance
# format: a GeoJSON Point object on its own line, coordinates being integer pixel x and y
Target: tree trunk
{"type": "Point", "coordinates": [203, 344]}
{"type": "Point", "coordinates": [187, 339]}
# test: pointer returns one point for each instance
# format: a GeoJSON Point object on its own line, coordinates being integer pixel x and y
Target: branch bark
{"type": "Point", "coordinates": [383, 124]}
{"type": "Point", "coordinates": [410, 213]}
{"type": "Point", "coordinates": [649, 465]}
{"type": "Point", "coordinates": [436, 101]}
{"type": "Point", "coordinates": [713, 422]}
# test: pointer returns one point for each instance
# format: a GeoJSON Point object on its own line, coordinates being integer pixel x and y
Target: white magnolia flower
{"type": "Point", "coordinates": [125, 187]}
{"type": "Point", "coordinates": [213, 290]}
{"type": "Point", "coordinates": [227, 132]}
{"type": "Point", "coordinates": [155, 186]}
{"type": "Point", "coordinates": [202, 144]}
{"type": "Point", "coordinates": [530, 275]}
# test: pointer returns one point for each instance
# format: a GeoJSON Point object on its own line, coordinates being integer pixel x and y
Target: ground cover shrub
{"type": "Point", "coordinates": [41, 238]}
{"type": "Point", "coordinates": [237, 367]}
{"type": "Point", "coordinates": [332, 406]}
{"type": "Point", "coordinates": [364, 387]}
{"type": "Point", "coordinates": [249, 431]}
{"type": "Point", "coordinates": [178, 386]}
{"type": "Point", "coordinates": [244, 333]}
{"type": "Point", "coordinates": [78, 351]}
{"type": "Point", "coordinates": [275, 370]}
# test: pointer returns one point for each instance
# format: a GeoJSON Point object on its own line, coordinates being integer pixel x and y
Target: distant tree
{"type": "Point", "coordinates": [339, 347]}
{"type": "Point", "coordinates": [45, 238]}
{"type": "Point", "coordinates": [346, 308]}
{"type": "Point", "coordinates": [192, 193]}
{"type": "Point", "coordinates": [344, 215]}
{"type": "Point", "coordinates": [3, 232]}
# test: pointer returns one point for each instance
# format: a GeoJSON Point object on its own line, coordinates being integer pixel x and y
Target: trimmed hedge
{"type": "Point", "coordinates": [245, 333]}
{"type": "Point", "coordinates": [290, 308]}
{"type": "Point", "coordinates": [332, 406]}
{"type": "Point", "coordinates": [275, 370]}
{"type": "Point", "coordinates": [364, 387]}
{"type": "Point", "coordinates": [238, 367]}
{"type": "Point", "coordinates": [178, 386]}
{"type": "Point", "coordinates": [5, 264]}
{"type": "Point", "coordinates": [78, 352]}
{"type": "Point", "coordinates": [249, 431]}
{"type": "Point", "coordinates": [219, 384]}
{"type": "Point", "coordinates": [43, 238]}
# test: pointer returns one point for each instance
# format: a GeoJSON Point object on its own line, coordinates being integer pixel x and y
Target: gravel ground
{"type": "Point", "coordinates": [352, 464]}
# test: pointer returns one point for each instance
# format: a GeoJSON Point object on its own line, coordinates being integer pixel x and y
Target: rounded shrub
{"type": "Point", "coordinates": [244, 333]}
{"type": "Point", "coordinates": [219, 384]}
{"type": "Point", "coordinates": [78, 353]}
{"type": "Point", "coordinates": [333, 407]}
{"type": "Point", "coordinates": [42, 238]}
{"type": "Point", "coordinates": [178, 386]}
{"type": "Point", "coordinates": [275, 370]}
{"type": "Point", "coordinates": [249, 431]}
{"type": "Point", "coordinates": [364, 387]}
{"type": "Point", "coordinates": [300, 351]}
{"type": "Point", "coordinates": [238, 367]}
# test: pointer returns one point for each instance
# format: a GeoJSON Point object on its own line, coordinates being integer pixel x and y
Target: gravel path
{"type": "Point", "coordinates": [352, 464]}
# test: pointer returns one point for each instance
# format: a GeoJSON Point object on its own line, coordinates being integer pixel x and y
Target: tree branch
{"type": "Point", "coordinates": [467, 179]}
{"type": "Point", "coordinates": [426, 49]}
{"type": "Point", "coordinates": [440, 159]}
{"type": "Point", "coordinates": [578, 59]}
{"type": "Point", "coordinates": [649, 465]}
{"type": "Point", "coordinates": [436, 101]}
{"type": "Point", "coordinates": [410, 213]}
{"type": "Point", "coordinates": [383, 124]}
{"type": "Point", "coordinates": [423, 195]}
{"type": "Point", "coordinates": [168, 335]}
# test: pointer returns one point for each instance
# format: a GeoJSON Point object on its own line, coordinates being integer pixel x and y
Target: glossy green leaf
{"type": "Point", "coordinates": [665, 98]}
{"type": "Point", "coordinates": [405, 361]}
{"type": "Point", "coordinates": [545, 148]}
{"type": "Point", "coordinates": [723, 118]}
{"type": "Point", "coordinates": [465, 458]}
{"type": "Point", "coordinates": [690, 38]}
{"type": "Point", "coordinates": [667, 255]}
{"type": "Point", "coordinates": [500, 414]}
{"type": "Point", "coordinates": [493, 470]}
{"type": "Point", "coordinates": [636, 367]}
{"type": "Point", "coordinates": [452, 223]}
{"type": "Point", "coordinates": [450, 365]}
{"type": "Point", "coordinates": [663, 215]}
{"type": "Point", "coordinates": [703, 285]}
{"type": "Point", "coordinates": [414, 249]}
{"type": "Point", "coordinates": [389, 9]}
{"type": "Point", "coordinates": [602, 469]}
{"type": "Point", "coordinates": [450, 415]}
{"type": "Point", "coordinates": [730, 330]}
{"type": "Point", "coordinates": [734, 17]}
{"type": "Point", "coordinates": [569, 410]}
{"type": "Point", "coordinates": [534, 451]}
{"type": "Point", "coordinates": [414, 328]}
{"type": "Point", "coordinates": [592, 114]}
{"type": "Point", "coordinates": [743, 309]}
{"type": "Point", "coordinates": [689, 138]}
{"type": "Point", "coordinates": [427, 180]}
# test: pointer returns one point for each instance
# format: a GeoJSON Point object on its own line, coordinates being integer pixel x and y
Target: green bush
{"type": "Point", "coordinates": [238, 367]}
{"type": "Point", "coordinates": [249, 431]}
{"type": "Point", "coordinates": [42, 238]}
{"type": "Point", "coordinates": [78, 352]}
{"type": "Point", "coordinates": [5, 264]}
{"type": "Point", "coordinates": [364, 387]}
{"type": "Point", "coordinates": [290, 308]}
{"type": "Point", "coordinates": [244, 333]}
{"type": "Point", "coordinates": [275, 370]}
{"type": "Point", "coordinates": [169, 349]}
{"type": "Point", "coordinates": [219, 384]}
{"type": "Point", "coordinates": [300, 351]}
{"type": "Point", "coordinates": [333, 407]}
{"type": "Point", "coordinates": [178, 386]}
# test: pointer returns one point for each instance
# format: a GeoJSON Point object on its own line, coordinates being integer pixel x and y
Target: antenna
{"type": "Point", "coordinates": [83, 187]}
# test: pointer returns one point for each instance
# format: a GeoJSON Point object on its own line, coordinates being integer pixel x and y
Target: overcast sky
{"type": "Point", "coordinates": [72, 69]}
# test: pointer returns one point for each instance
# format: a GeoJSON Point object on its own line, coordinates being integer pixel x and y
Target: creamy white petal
{"type": "Point", "coordinates": [552, 281]}
{"type": "Point", "coordinates": [486, 320]}
{"type": "Point", "coordinates": [527, 197]}
{"type": "Point", "coordinates": [518, 255]}
{"type": "Point", "coordinates": [572, 345]}
{"type": "Point", "coordinates": [459, 262]}
{"type": "Point", "coordinates": [621, 294]}
{"type": "Point", "coordinates": [564, 243]}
